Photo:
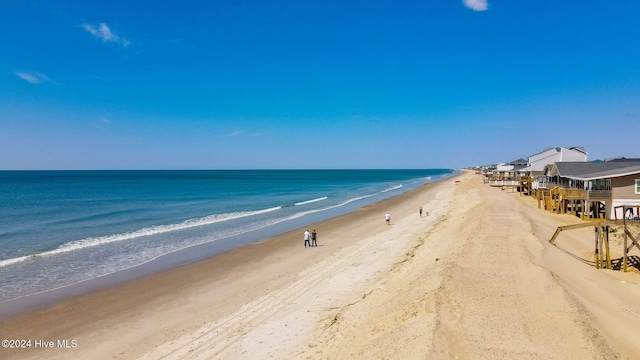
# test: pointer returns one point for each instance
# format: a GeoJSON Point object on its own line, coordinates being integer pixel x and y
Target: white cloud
{"type": "Point", "coordinates": [33, 77]}
{"type": "Point", "coordinates": [104, 33]}
{"type": "Point", "coordinates": [477, 5]}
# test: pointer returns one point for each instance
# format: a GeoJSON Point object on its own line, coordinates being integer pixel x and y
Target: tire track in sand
{"type": "Point", "coordinates": [497, 302]}
{"type": "Point", "coordinates": [211, 340]}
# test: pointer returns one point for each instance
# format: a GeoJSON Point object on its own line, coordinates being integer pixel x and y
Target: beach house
{"type": "Point", "coordinates": [527, 174]}
{"type": "Point", "coordinates": [602, 189]}
{"type": "Point", "coordinates": [537, 163]}
{"type": "Point", "coordinates": [502, 175]}
{"type": "Point", "coordinates": [531, 175]}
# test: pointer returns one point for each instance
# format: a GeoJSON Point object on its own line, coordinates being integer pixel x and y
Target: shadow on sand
{"type": "Point", "coordinates": [633, 261]}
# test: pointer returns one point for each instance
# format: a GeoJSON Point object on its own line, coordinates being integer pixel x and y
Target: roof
{"type": "Point", "coordinates": [622, 159]}
{"type": "Point", "coordinates": [579, 148]}
{"type": "Point", "coordinates": [557, 149]}
{"type": "Point", "coordinates": [596, 170]}
{"type": "Point", "coordinates": [504, 167]}
{"type": "Point", "coordinates": [520, 161]}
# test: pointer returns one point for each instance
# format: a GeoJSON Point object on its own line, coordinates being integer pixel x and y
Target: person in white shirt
{"type": "Point", "coordinates": [306, 238]}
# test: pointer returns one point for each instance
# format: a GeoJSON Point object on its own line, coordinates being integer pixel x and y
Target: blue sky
{"type": "Point", "coordinates": [322, 84]}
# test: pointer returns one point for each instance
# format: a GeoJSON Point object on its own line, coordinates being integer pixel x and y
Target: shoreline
{"type": "Point", "coordinates": [477, 278]}
{"type": "Point", "coordinates": [181, 257]}
{"type": "Point", "coordinates": [168, 282]}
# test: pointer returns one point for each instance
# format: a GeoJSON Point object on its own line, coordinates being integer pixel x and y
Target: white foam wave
{"type": "Point", "coordinates": [153, 230]}
{"type": "Point", "coordinates": [352, 200]}
{"type": "Point", "coordinates": [392, 188]}
{"type": "Point", "coordinates": [303, 213]}
{"type": "Point", "coordinates": [96, 241]}
{"type": "Point", "coordinates": [311, 201]}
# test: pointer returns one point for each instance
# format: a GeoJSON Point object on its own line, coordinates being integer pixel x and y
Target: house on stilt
{"type": "Point", "coordinates": [602, 190]}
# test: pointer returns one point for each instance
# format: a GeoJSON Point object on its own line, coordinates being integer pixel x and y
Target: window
{"type": "Point", "coordinates": [637, 186]}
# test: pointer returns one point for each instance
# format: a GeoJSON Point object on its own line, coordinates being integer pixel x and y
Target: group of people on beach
{"type": "Point", "coordinates": [387, 216]}
{"type": "Point", "coordinates": [310, 238]}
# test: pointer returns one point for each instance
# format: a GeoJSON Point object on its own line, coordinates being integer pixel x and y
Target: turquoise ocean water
{"type": "Point", "coordinates": [63, 227]}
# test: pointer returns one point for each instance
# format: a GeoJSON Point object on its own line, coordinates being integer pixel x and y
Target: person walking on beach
{"type": "Point", "coordinates": [420, 211]}
{"type": "Point", "coordinates": [314, 237]}
{"type": "Point", "coordinates": [387, 217]}
{"type": "Point", "coordinates": [306, 238]}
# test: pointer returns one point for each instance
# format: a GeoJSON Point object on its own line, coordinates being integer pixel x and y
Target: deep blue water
{"type": "Point", "coordinates": [63, 227]}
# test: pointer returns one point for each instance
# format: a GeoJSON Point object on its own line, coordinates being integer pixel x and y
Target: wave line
{"type": "Point", "coordinates": [392, 188]}
{"type": "Point", "coordinates": [311, 201]}
{"type": "Point", "coordinates": [153, 230]}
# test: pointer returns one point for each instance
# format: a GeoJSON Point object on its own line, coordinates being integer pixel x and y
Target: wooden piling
{"type": "Point", "coordinates": [596, 256]}
{"type": "Point", "coordinates": [605, 236]}
{"type": "Point", "coordinates": [626, 248]}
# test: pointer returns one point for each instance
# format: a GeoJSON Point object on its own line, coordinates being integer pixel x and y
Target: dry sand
{"type": "Point", "coordinates": [475, 279]}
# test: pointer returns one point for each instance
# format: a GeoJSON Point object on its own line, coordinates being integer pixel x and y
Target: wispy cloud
{"type": "Point", "coordinates": [105, 120]}
{"type": "Point", "coordinates": [477, 5]}
{"type": "Point", "coordinates": [33, 77]}
{"type": "Point", "coordinates": [104, 33]}
{"type": "Point", "coordinates": [235, 133]}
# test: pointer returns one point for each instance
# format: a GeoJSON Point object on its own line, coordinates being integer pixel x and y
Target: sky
{"type": "Point", "coordinates": [233, 84]}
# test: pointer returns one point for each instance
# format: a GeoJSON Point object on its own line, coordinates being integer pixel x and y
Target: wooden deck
{"type": "Point", "coordinates": [587, 204]}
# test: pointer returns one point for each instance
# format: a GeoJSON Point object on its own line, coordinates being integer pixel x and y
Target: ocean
{"type": "Point", "coordinates": [59, 228]}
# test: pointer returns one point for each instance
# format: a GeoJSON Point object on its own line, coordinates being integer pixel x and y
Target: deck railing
{"type": "Point", "coordinates": [577, 193]}
{"type": "Point", "coordinates": [570, 193]}
{"type": "Point", "coordinates": [504, 182]}
{"type": "Point", "coordinates": [598, 194]}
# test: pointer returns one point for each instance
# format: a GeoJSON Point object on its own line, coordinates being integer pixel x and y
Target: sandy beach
{"type": "Point", "coordinates": [475, 279]}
